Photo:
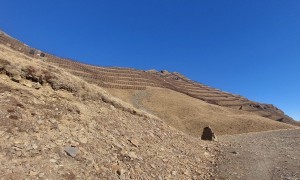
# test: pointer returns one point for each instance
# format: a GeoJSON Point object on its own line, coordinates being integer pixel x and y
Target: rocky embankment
{"type": "Point", "coordinates": [57, 126]}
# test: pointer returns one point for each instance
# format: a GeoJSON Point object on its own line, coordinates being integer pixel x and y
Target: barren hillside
{"type": "Point", "coordinates": [180, 102]}
{"type": "Point", "coordinates": [191, 115]}
{"type": "Point", "coordinates": [127, 78]}
{"type": "Point", "coordinates": [54, 125]}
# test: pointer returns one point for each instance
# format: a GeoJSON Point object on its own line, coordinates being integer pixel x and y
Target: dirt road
{"type": "Point", "coordinates": [259, 156]}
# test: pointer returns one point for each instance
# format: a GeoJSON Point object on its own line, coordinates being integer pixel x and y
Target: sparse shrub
{"type": "Point", "coordinates": [47, 76]}
{"type": "Point", "coordinates": [30, 73]}
{"type": "Point", "coordinates": [20, 105]}
{"type": "Point", "coordinates": [212, 102]}
{"type": "Point", "coordinates": [4, 88]}
{"type": "Point", "coordinates": [30, 70]}
{"type": "Point", "coordinates": [32, 52]}
{"type": "Point", "coordinates": [11, 111]}
{"type": "Point", "coordinates": [4, 62]}
{"type": "Point", "coordinates": [13, 117]}
{"type": "Point", "coordinates": [280, 119]}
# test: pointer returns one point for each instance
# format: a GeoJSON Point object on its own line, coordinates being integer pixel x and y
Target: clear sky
{"type": "Point", "coordinates": [247, 47]}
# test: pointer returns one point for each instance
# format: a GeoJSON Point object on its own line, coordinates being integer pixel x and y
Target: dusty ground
{"type": "Point", "coordinates": [54, 125]}
{"type": "Point", "coordinates": [265, 155]}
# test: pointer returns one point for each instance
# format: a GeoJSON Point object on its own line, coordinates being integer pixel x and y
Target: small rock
{"type": "Point", "coordinates": [234, 152]}
{"type": "Point", "coordinates": [33, 173]}
{"type": "Point", "coordinates": [40, 121]}
{"type": "Point", "coordinates": [74, 143]}
{"type": "Point", "coordinates": [53, 160]}
{"type": "Point", "coordinates": [41, 175]}
{"type": "Point", "coordinates": [118, 169]}
{"type": "Point", "coordinates": [152, 135]}
{"type": "Point", "coordinates": [103, 110]}
{"type": "Point", "coordinates": [26, 83]}
{"type": "Point", "coordinates": [83, 140]}
{"type": "Point", "coordinates": [118, 145]}
{"type": "Point", "coordinates": [174, 173]}
{"type": "Point", "coordinates": [115, 167]}
{"type": "Point", "coordinates": [52, 121]}
{"type": "Point", "coordinates": [28, 148]}
{"type": "Point", "coordinates": [111, 107]}
{"type": "Point", "coordinates": [16, 78]}
{"type": "Point", "coordinates": [17, 142]}
{"type": "Point", "coordinates": [71, 151]}
{"type": "Point", "coordinates": [37, 85]}
{"type": "Point", "coordinates": [134, 142]}
{"type": "Point", "coordinates": [132, 155]}
{"type": "Point", "coordinates": [34, 146]}
{"type": "Point", "coordinates": [121, 171]}
{"type": "Point", "coordinates": [206, 154]}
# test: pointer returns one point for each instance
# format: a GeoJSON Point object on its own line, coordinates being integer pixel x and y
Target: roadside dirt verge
{"type": "Point", "coordinates": [265, 155]}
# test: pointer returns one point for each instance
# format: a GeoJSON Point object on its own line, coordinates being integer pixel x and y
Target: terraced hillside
{"type": "Point", "coordinates": [54, 125]}
{"type": "Point", "coordinates": [191, 115]}
{"type": "Point", "coordinates": [127, 78]}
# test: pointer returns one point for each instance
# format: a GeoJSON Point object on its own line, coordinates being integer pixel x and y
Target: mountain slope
{"type": "Point", "coordinates": [191, 115]}
{"type": "Point", "coordinates": [127, 78]}
{"type": "Point", "coordinates": [196, 105]}
{"type": "Point", "coordinates": [54, 125]}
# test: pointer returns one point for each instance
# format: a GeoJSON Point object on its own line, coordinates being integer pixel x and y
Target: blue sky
{"type": "Point", "coordinates": [249, 47]}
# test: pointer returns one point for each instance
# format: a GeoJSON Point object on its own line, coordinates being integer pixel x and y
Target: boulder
{"type": "Point", "coordinates": [164, 72]}
{"type": "Point", "coordinates": [152, 71]}
{"type": "Point", "coordinates": [208, 134]}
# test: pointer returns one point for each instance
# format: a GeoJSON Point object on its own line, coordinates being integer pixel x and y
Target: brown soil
{"type": "Point", "coordinates": [266, 155]}
{"type": "Point", "coordinates": [45, 111]}
{"type": "Point", "coordinates": [191, 115]}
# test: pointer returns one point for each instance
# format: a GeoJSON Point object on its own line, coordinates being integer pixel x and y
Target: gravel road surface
{"type": "Point", "coordinates": [259, 156]}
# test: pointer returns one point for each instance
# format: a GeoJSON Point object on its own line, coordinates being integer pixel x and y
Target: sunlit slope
{"type": "Point", "coordinates": [54, 125]}
{"type": "Point", "coordinates": [191, 115]}
{"type": "Point", "coordinates": [133, 79]}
